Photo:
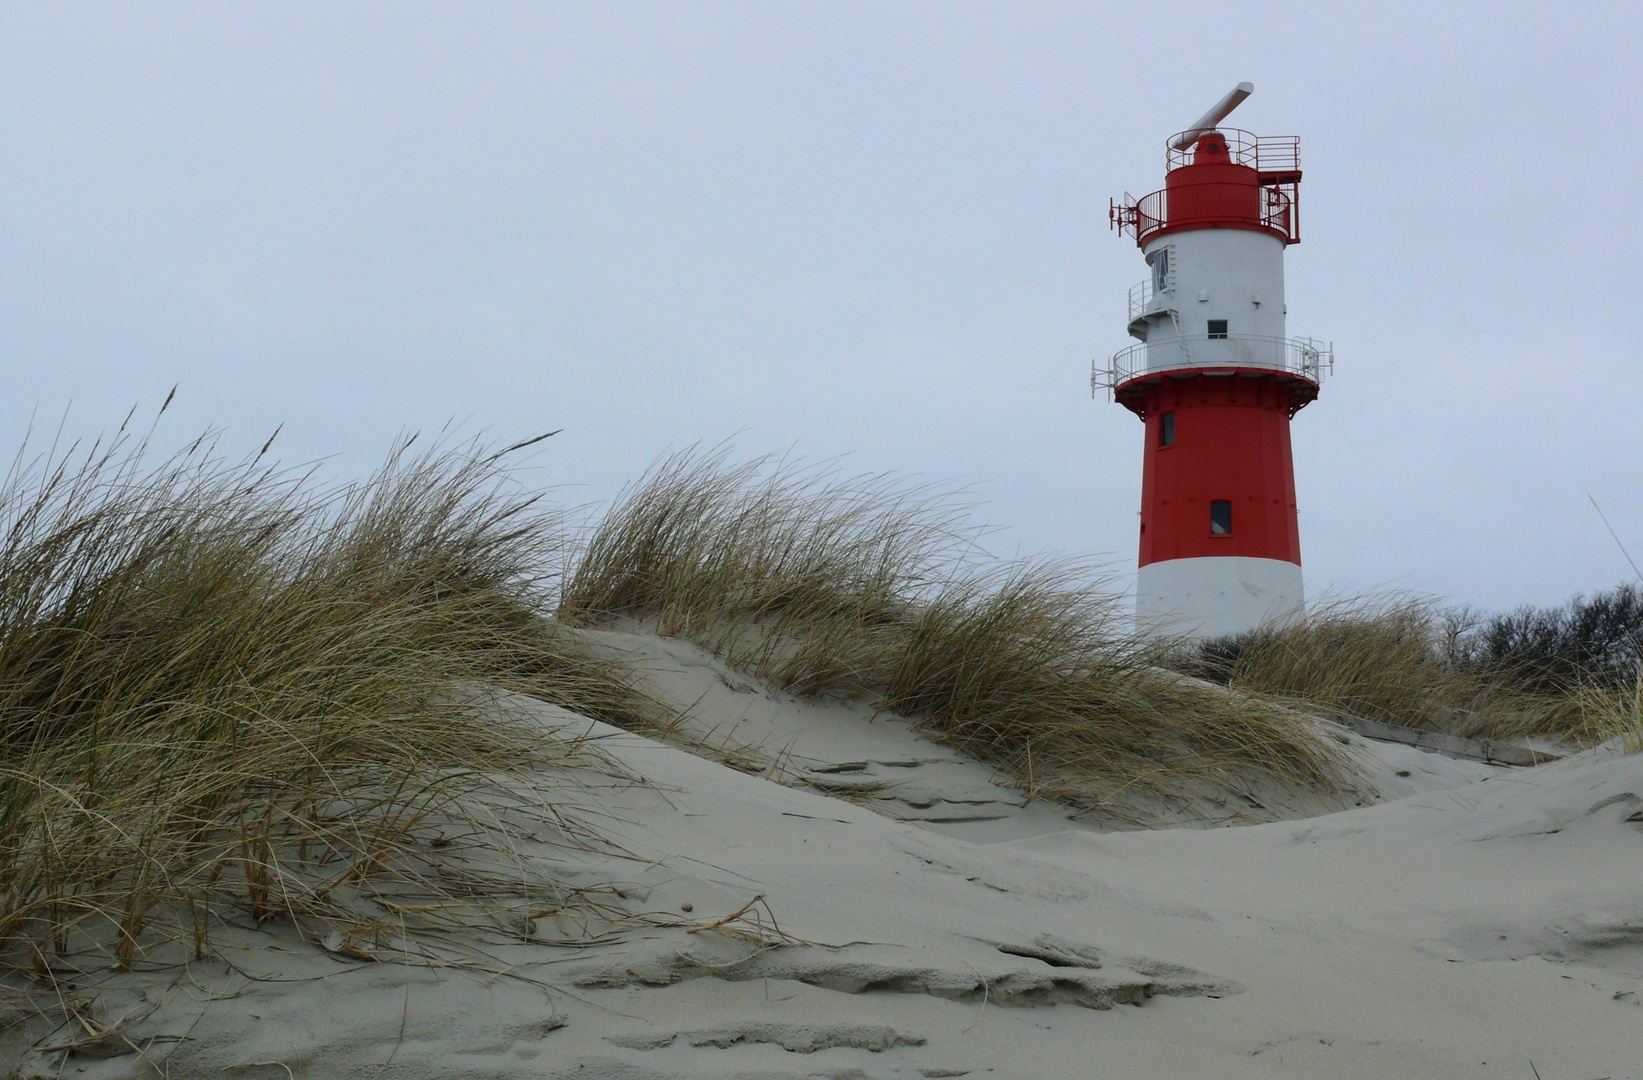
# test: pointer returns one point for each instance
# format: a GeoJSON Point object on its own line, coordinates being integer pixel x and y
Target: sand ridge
{"type": "Point", "coordinates": [1483, 919]}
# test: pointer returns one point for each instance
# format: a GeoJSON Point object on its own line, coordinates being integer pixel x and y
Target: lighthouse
{"type": "Point", "coordinates": [1216, 380]}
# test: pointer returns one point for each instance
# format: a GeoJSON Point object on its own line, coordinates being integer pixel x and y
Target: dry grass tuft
{"type": "Point", "coordinates": [1034, 666]}
{"type": "Point", "coordinates": [792, 572]}
{"type": "Point", "coordinates": [225, 688]}
{"type": "Point", "coordinates": [1399, 659]}
{"type": "Point", "coordinates": [863, 586]}
{"type": "Point", "coordinates": [1611, 711]}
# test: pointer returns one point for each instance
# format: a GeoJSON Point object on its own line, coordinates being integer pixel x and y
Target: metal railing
{"type": "Point", "coordinates": [1144, 216]}
{"type": "Point", "coordinates": [1305, 357]}
{"type": "Point", "coordinates": [1263, 153]}
{"type": "Point", "coordinates": [1140, 296]}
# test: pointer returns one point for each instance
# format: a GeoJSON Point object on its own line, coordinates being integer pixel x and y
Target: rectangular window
{"type": "Point", "coordinates": [1220, 518]}
{"type": "Point", "coordinates": [1217, 329]}
{"type": "Point", "coordinates": [1166, 429]}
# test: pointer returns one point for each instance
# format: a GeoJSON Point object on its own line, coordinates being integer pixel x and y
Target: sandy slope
{"type": "Point", "coordinates": [881, 760]}
{"type": "Point", "coordinates": [1487, 919]}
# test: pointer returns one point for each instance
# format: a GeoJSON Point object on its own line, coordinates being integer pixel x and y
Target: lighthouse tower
{"type": "Point", "coordinates": [1216, 380]}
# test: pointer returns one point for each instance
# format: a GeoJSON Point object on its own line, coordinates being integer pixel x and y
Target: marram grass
{"type": "Point", "coordinates": [1398, 658]}
{"type": "Point", "coordinates": [226, 689]}
{"type": "Point", "coordinates": [1614, 711]}
{"type": "Point", "coordinates": [864, 587]}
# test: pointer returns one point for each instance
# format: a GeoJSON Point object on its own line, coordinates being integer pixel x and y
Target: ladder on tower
{"type": "Point", "coordinates": [1180, 334]}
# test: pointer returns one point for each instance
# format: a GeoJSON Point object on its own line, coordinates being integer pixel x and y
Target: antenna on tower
{"type": "Point", "coordinates": [1218, 112]}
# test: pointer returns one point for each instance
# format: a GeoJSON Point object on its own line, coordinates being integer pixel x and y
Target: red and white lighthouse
{"type": "Point", "coordinates": [1216, 380]}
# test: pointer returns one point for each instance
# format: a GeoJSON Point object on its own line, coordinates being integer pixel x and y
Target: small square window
{"type": "Point", "coordinates": [1217, 329]}
{"type": "Point", "coordinates": [1220, 518]}
{"type": "Point", "coordinates": [1166, 429]}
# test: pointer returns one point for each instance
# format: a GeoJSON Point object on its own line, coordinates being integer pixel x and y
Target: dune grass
{"type": "Point", "coordinates": [1033, 665]}
{"type": "Point", "coordinates": [857, 587]}
{"type": "Point", "coordinates": [227, 688]}
{"type": "Point", "coordinates": [1397, 658]}
{"type": "Point", "coordinates": [798, 574]}
{"type": "Point", "coordinates": [1613, 711]}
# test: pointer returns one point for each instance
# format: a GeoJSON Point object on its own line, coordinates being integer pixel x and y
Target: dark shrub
{"type": "Point", "coordinates": [1600, 639]}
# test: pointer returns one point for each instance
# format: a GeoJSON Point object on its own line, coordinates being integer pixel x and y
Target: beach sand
{"type": "Point", "coordinates": [827, 893]}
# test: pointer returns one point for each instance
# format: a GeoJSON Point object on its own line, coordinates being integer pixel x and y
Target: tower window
{"type": "Point", "coordinates": [1217, 329]}
{"type": "Point", "coordinates": [1160, 270]}
{"type": "Point", "coordinates": [1166, 429]}
{"type": "Point", "coordinates": [1220, 517]}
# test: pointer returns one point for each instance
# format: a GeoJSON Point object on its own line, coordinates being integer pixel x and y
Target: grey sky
{"type": "Point", "coordinates": [875, 229]}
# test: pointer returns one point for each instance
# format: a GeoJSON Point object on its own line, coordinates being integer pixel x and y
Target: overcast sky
{"type": "Point", "coordinates": [876, 229]}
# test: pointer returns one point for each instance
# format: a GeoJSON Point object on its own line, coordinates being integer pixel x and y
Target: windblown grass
{"type": "Point", "coordinates": [1399, 659]}
{"type": "Point", "coordinates": [1033, 665]}
{"type": "Point", "coordinates": [225, 688]}
{"type": "Point", "coordinates": [864, 587]}
{"type": "Point", "coordinates": [797, 574]}
{"type": "Point", "coordinates": [1614, 712]}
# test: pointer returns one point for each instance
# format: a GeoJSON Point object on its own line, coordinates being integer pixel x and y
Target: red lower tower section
{"type": "Point", "coordinates": [1218, 437]}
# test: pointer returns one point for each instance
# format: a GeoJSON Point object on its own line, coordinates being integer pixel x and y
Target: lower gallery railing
{"type": "Point", "coordinates": [1306, 357]}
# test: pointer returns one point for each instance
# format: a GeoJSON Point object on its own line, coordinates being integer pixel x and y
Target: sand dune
{"type": "Point", "coordinates": [853, 900]}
